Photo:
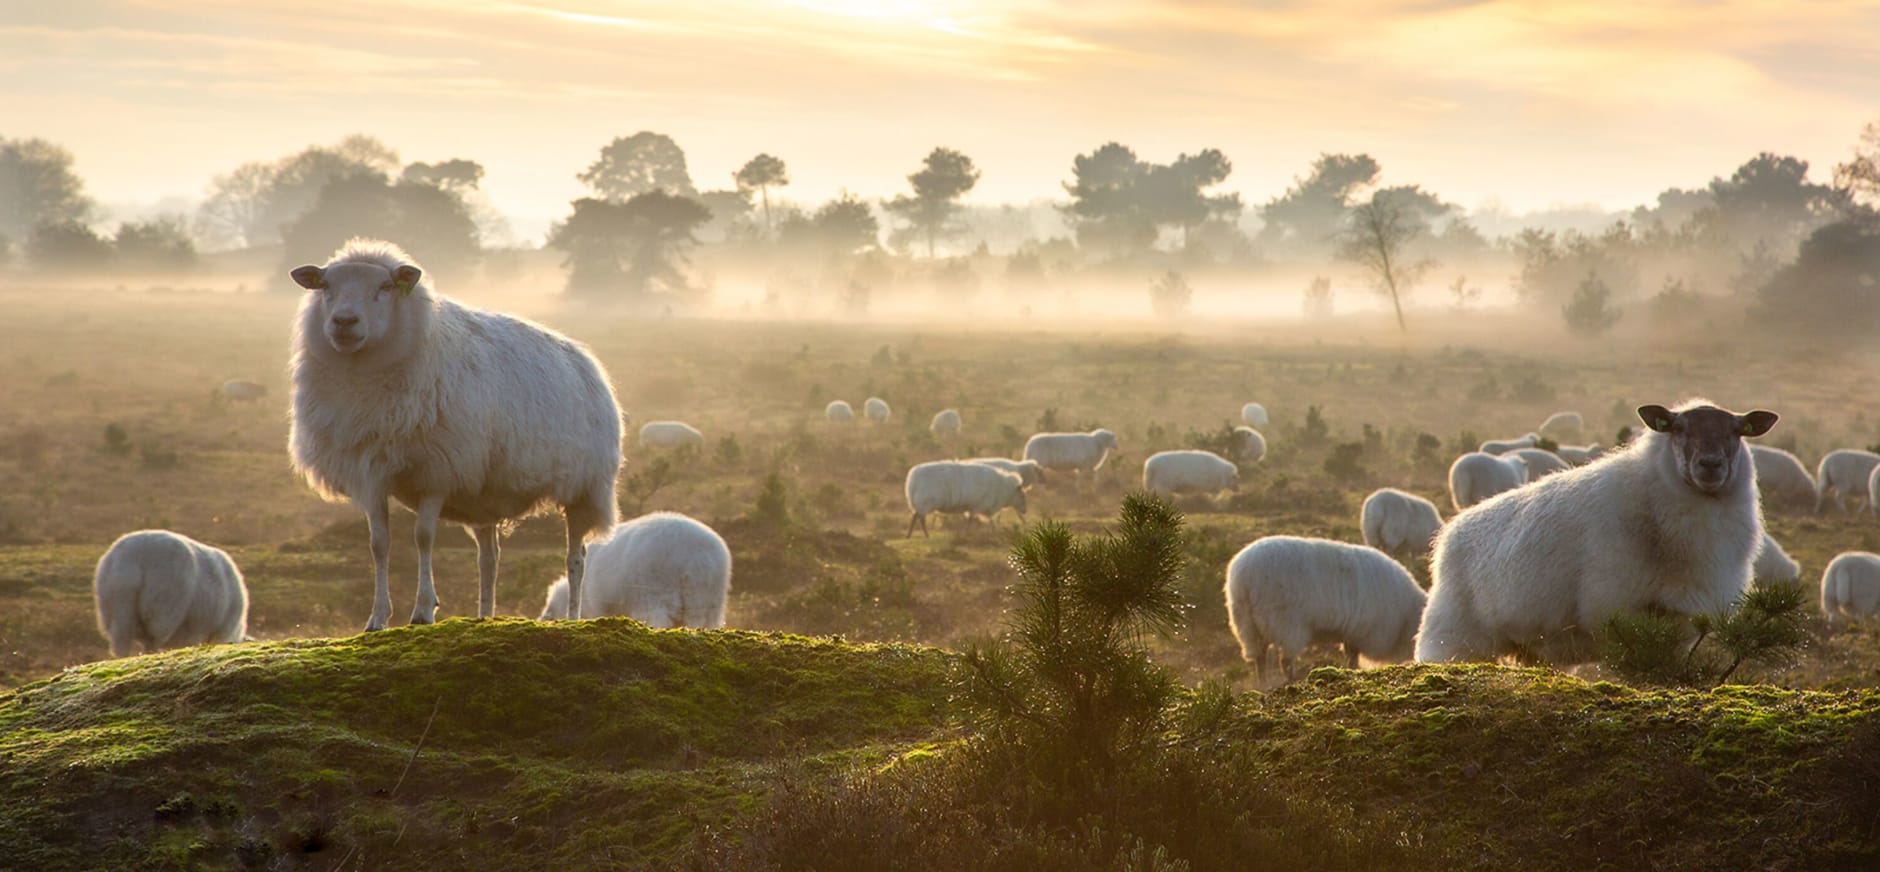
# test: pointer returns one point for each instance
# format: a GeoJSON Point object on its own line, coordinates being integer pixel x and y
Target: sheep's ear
{"type": "Point", "coordinates": [1657, 417]}
{"type": "Point", "coordinates": [405, 277]}
{"type": "Point", "coordinates": [1755, 423]}
{"type": "Point", "coordinates": [310, 277]}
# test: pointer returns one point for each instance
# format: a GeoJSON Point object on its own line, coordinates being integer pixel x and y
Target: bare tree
{"type": "Point", "coordinates": [1377, 237]}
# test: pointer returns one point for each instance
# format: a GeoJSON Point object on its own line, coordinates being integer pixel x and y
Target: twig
{"type": "Point", "coordinates": [414, 751]}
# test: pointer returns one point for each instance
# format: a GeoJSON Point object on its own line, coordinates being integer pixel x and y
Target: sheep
{"type": "Point", "coordinates": [1850, 587]}
{"type": "Point", "coordinates": [946, 423]}
{"type": "Point", "coordinates": [1253, 415]}
{"type": "Point", "coordinates": [1561, 426]}
{"type": "Point", "coordinates": [1292, 592]}
{"type": "Point", "coordinates": [1773, 563]}
{"type": "Point", "coordinates": [1503, 446]}
{"type": "Point", "coordinates": [952, 486]}
{"type": "Point", "coordinates": [663, 569]}
{"type": "Point", "coordinates": [1580, 455]}
{"type": "Point", "coordinates": [165, 590]}
{"type": "Point", "coordinates": [1846, 473]}
{"type": "Point", "coordinates": [1398, 522]}
{"type": "Point", "coordinates": [839, 412]}
{"type": "Point", "coordinates": [1249, 444]}
{"type": "Point", "coordinates": [1540, 462]}
{"type": "Point", "coordinates": [1781, 478]}
{"type": "Point", "coordinates": [241, 391]}
{"type": "Point", "coordinates": [1670, 523]}
{"type": "Point", "coordinates": [877, 410]}
{"type": "Point", "coordinates": [1168, 473]}
{"type": "Point", "coordinates": [1476, 476]}
{"type": "Point", "coordinates": [669, 434]}
{"type": "Point", "coordinates": [460, 414]}
{"type": "Point", "coordinates": [1075, 452]}
{"type": "Point", "coordinates": [1028, 471]}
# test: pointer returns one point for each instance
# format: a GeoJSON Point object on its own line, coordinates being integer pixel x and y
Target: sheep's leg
{"type": "Point", "coordinates": [489, 550]}
{"type": "Point", "coordinates": [1286, 662]}
{"type": "Point", "coordinates": [910, 524]}
{"type": "Point", "coordinates": [1351, 656]}
{"type": "Point", "coordinates": [581, 521]}
{"type": "Point", "coordinates": [425, 611]}
{"type": "Point", "coordinates": [378, 520]}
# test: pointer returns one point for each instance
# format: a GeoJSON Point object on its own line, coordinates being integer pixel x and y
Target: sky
{"type": "Point", "coordinates": [1525, 104]}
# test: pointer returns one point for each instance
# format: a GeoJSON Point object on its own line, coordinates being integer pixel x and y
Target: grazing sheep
{"type": "Point", "coordinates": [1249, 444]}
{"type": "Point", "coordinates": [663, 569]}
{"type": "Point", "coordinates": [1782, 479]}
{"type": "Point", "coordinates": [1670, 523]}
{"type": "Point", "coordinates": [1580, 455]}
{"type": "Point", "coordinates": [669, 434]}
{"type": "Point", "coordinates": [1398, 522]}
{"type": "Point", "coordinates": [165, 590]}
{"type": "Point", "coordinates": [240, 391]}
{"type": "Point", "coordinates": [1540, 462]}
{"type": "Point", "coordinates": [1476, 476]}
{"type": "Point", "coordinates": [877, 410]}
{"type": "Point", "coordinates": [1253, 415]}
{"type": "Point", "coordinates": [953, 486]}
{"type": "Point", "coordinates": [1168, 473]}
{"type": "Point", "coordinates": [1773, 563]}
{"type": "Point", "coordinates": [946, 423]}
{"type": "Point", "coordinates": [1074, 452]}
{"type": "Point", "coordinates": [1503, 446]}
{"type": "Point", "coordinates": [839, 411]}
{"type": "Point", "coordinates": [1562, 426]}
{"type": "Point", "coordinates": [1028, 470]}
{"type": "Point", "coordinates": [1846, 473]}
{"type": "Point", "coordinates": [1850, 588]}
{"type": "Point", "coordinates": [1292, 592]}
{"type": "Point", "coordinates": [464, 415]}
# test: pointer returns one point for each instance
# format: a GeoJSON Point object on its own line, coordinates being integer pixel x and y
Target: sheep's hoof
{"type": "Point", "coordinates": [417, 619]}
{"type": "Point", "coordinates": [374, 627]}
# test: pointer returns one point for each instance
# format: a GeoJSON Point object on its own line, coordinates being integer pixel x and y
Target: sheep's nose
{"type": "Point", "coordinates": [345, 321]}
{"type": "Point", "coordinates": [1711, 463]}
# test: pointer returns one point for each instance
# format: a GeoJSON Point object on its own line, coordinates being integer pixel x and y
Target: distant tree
{"type": "Point", "coordinates": [1175, 195]}
{"type": "Point", "coordinates": [1833, 286]}
{"type": "Point", "coordinates": [1769, 199]}
{"type": "Point", "coordinates": [233, 208]}
{"type": "Point", "coordinates": [1318, 298]}
{"type": "Point", "coordinates": [839, 227]}
{"type": "Point", "coordinates": [38, 186]}
{"type": "Point", "coordinates": [632, 165]}
{"type": "Point", "coordinates": [760, 174]}
{"type": "Point", "coordinates": [1590, 313]}
{"type": "Point", "coordinates": [1105, 209]}
{"type": "Point", "coordinates": [160, 244]}
{"type": "Point", "coordinates": [1859, 177]}
{"type": "Point", "coordinates": [945, 176]}
{"type": "Point", "coordinates": [457, 174]}
{"type": "Point", "coordinates": [68, 246]}
{"type": "Point", "coordinates": [432, 224]}
{"type": "Point", "coordinates": [1170, 295]}
{"type": "Point", "coordinates": [1462, 297]}
{"type": "Point", "coordinates": [1311, 213]}
{"type": "Point", "coordinates": [295, 183]}
{"type": "Point", "coordinates": [729, 209]}
{"type": "Point", "coordinates": [1377, 238]}
{"type": "Point", "coordinates": [628, 248]}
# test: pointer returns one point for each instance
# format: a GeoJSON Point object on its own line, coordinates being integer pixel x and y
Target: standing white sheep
{"type": "Point", "coordinates": [1253, 415]}
{"type": "Point", "coordinates": [165, 590]}
{"type": "Point", "coordinates": [1503, 446]}
{"type": "Point", "coordinates": [1073, 452]}
{"type": "Point", "coordinates": [1845, 472]}
{"type": "Point", "coordinates": [1850, 587]}
{"type": "Point", "coordinates": [669, 434]}
{"type": "Point", "coordinates": [1540, 462]}
{"type": "Point", "coordinates": [1781, 478]}
{"type": "Point", "coordinates": [839, 411]}
{"type": "Point", "coordinates": [1773, 563]}
{"type": "Point", "coordinates": [1476, 476]}
{"type": "Point", "coordinates": [459, 414]}
{"type": "Point", "coordinates": [1169, 473]}
{"type": "Point", "coordinates": [1249, 444]}
{"type": "Point", "coordinates": [953, 486]}
{"type": "Point", "coordinates": [1028, 471]}
{"type": "Point", "coordinates": [1399, 522]}
{"type": "Point", "coordinates": [876, 409]}
{"type": "Point", "coordinates": [946, 423]}
{"type": "Point", "coordinates": [1671, 523]}
{"type": "Point", "coordinates": [663, 569]}
{"type": "Point", "coordinates": [1292, 592]}
{"type": "Point", "coordinates": [1563, 426]}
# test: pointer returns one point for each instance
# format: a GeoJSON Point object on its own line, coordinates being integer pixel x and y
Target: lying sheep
{"type": "Point", "coordinates": [1073, 452]}
{"type": "Point", "coordinates": [1850, 588]}
{"type": "Point", "coordinates": [1580, 455]}
{"type": "Point", "coordinates": [664, 569]}
{"type": "Point", "coordinates": [946, 423]}
{"type": "Point", "coordinates": [669, 434]}
{"type": "Point", "coordinates": [1540, 463]}
{"type": "Point", "coordinates": [1169, 473]}
{"type": "Point", "coordinates": [236, 390]}
{"type": "Point", "coordinates": [1398, 522]}
{"type": "Point", "coordinates": [462, 415]}
{"type": "Point", "coordinates": [1773, 563]}
{"type": "Point", "coordinates": [1028, 471]}
{"type": "Point", "coordinates": [1846, 473]}
{"type": "Point", "coordinates": [876, 409]}
{"type": "Point", "coordinates": [1670, 523]}
{"type": "Point", "coordinates": [1503, 446]}
{"type": "Point", "coordinates": [839, 411]}
{"type": "Point", "coordinates": [1249, 445]}
{"type": "Point", "coordinates": [1253, 415]}
{"type": "Point", "coordinates": [1476, 476]}
{"type": "Point", "coordinates": [1562, 426]}
{"type": "Point", "coordinates": [1292, 592]}
{"type": "Point", "coordinates": [953, 486]}
{"type": "Point", "coordinates": [163, 590]}
{"type": "Point", "coordinates": [1781, 478]}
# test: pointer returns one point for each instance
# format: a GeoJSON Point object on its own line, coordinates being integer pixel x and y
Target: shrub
{"type": "Point", "coordinates": [1767, 626]}
{"type": "Point", "coordinates": [1315, 431]}
{"type": "Point", "coordinates": [1170, 295]}
{"type": "Point", "coordinates": [729, 452]}
{"type": "Point", "coordinates": [1344, 464]}
{"type": "Point", "coordinates": [1591, 312]}
{"type": "Point", "coordinates": [117, 440]}
{"type": "Point", "coordinates": [641, 485]}
{"type": "Point", "coordinates": [773, 502]}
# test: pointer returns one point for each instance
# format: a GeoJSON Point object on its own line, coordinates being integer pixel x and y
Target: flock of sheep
{"type": "Point", "coordinates": [479, 419]}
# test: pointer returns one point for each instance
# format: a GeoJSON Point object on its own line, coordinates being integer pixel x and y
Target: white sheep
{"type": "Point", "coordinates": [1503, 446]}
{"type": "Point", "coordinates": [946, 423]}
{"type": "Point", "coordinates": [1781, 478]}
{"type": "Point", "coordinates": [1253, 415]}
{"type": "Point", "coordinates": [1580, 455]}
{"type": "Point", "coordinates": [1292, 592]}
{"type": "Point", "coordinates": [1773, 563]}
{"type": "Point", "coordinates": [1845, 472]}
{"type": "Point", "coordinates": [1562, 426]}
{"type": "Point", "coordinates": [663, 569]}
{"type": "Point", "coordinates": [1028, 471]}
{"type": "Point", "coordinates": [1669, 523]}
{"type": "Point", "coordinates": [1540, 462]}
{"type": "Point", "coordinates": [165, 590]}
{"type": "Point", "coordinates": [1249, 444]}
{"type": "Point", "coordinates": [876, 409]}
{"type": "Point", "coordinates": [1399, 522]}
{"type": "Point", "coordinates": [1073, 452]}
{"type": "Point", "coordinates": [1476, 476]}
{"type": "Point", "coordinates": [669, 434]}
{"type": "Point", "coordinates": [839, 411]}
{"type": "Point", "coordinates": [1169, 473]}
{"type": "Point", "coordinates": [953, 486]}
{"type": "Point", "coordinates": [1850, 587]}
{"type": "Point", "coordinates": [240, 391]}
{"type": "Point", "coordinates": [460, 414]}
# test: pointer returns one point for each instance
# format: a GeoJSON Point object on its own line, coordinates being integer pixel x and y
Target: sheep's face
{"type": "Point", "coordinates": [1017, 502]}
{"type": "Point", "coordinates": [357, 302]}
{"type": "Point", "coordinates": [1706, 443]}
{"type": "Point", "coordinates": [1106, 439]}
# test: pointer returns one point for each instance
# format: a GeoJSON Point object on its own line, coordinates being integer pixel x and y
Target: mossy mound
{"type": "Point", "coordinates": [601, 743]}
